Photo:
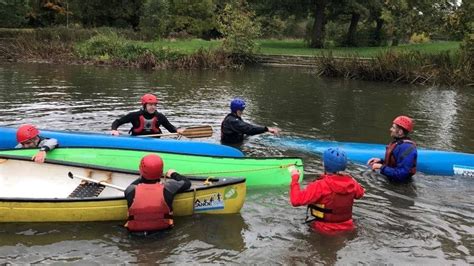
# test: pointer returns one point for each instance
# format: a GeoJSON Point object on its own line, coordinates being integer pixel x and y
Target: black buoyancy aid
{"type": "Point", "coordinates": [391, 161]}
{"type": "Point", "coordinates": [336, 208]}
{"type": "Point", "coordinates": [147, 126]}
{"type": "Point", "coordinates": [149, 211]}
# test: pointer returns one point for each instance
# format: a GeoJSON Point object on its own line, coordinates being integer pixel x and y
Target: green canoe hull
{"type": "Point", "coordinates": [257, 171]}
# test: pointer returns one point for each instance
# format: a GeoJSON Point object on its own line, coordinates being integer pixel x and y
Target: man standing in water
{"type": "Point", "coordinates": [147, 120]}
{"type": "Point", "coordinates": [399, 164]}
{"type": "Point", "coordinates": [233, 127]}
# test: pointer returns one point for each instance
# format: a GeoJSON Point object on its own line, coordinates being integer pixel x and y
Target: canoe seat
{"type": "Point", "coordinates": [85, 190]}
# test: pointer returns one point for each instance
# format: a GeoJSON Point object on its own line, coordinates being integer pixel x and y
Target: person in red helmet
{"type": "Point", "coordinates": [399, 164]}
{"type": "Point", "coordinates": [28, 136]}
{"type": "Point", "coordinates": [330, 198]}
{"type": "Point", "coordinates": [147, 120]}
{"type": "Point", "coordinates": [150, 201]}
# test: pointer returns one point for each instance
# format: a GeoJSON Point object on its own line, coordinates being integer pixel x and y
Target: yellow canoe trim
{"type": "Point", "coordinates": [219, 200]}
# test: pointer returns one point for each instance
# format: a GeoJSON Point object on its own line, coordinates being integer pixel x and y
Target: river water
{"type": "Point", "coordinates": [429, 221]}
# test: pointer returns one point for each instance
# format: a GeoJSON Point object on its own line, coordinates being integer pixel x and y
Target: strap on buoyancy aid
{"type": "Point", "coordinates": [317, 211]}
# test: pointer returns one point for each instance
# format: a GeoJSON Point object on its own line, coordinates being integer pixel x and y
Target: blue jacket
{"type": "Point", "coordinates": [403, 164]}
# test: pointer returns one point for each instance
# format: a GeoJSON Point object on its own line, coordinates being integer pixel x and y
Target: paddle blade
{"type": "Point", "coordinates": [198, 132]}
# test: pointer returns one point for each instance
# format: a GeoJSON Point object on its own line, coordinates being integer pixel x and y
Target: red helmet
{"type": "Point", "coordinates": [151, 167]}
{"type": "Point", "coordinates": [26, 132]}
{"type": "Point", "coordinates": [149, 98]}
{"type": "Point", "coordinates": [404, 122]}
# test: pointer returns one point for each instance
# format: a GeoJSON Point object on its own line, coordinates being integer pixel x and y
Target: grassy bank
{"type": "Point", "coordinates": [429, 63]}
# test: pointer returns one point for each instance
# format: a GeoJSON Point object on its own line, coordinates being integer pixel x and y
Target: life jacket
{"type": "Point", "coordinates": [147, 126]}
{"type": "Point", "coordinates": [390, 159]}
{"type": "Point", "coordinates": [149, 211]}
{"type": "Point", "coordinates": [336, 208]}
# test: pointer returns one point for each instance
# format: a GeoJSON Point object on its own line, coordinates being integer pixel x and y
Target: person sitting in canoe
{"type": "Point", "coordinates": [149, 200]}
{"type": "Point", "coordinates": [28, 137]}
{"type": "Point", "coordinates": [399, 164]}
{"type": "Point", "coordinates": [233, 127]}
{"type": "Point", "coordinates": [329, 198]}
{"type": "Point", "coordinates": [147, 120]}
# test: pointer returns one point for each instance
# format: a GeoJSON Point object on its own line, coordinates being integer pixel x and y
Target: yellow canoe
{"type": "Point", "coordinates": [31, 192]}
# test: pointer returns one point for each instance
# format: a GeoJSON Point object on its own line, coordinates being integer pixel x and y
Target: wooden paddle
{"type": "Point", "coordinates": [95, 181]}
{"type": "Point", "coordinates": [189, 132]}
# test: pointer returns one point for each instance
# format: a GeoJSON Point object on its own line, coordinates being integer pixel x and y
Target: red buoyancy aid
{"type": "Point", "coordinates": [335, 208]}
{"type": "Point", "coordinates": [391, 161]}
{"type": "Point", "coordinates": [148, 125]}
{"type": "Point", "coordinates": [149, 211]}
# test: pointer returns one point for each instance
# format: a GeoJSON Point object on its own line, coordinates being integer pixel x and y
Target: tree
{"type": "Point", "coordinates": [154, 21]}
{"type": "Point", "coordinates": [13, 13]}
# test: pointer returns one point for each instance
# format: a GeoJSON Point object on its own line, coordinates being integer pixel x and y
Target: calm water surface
{"type": "Point", "coordinates": [429, 221]}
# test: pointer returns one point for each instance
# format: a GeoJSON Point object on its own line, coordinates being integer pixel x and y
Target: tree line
{"type": "Point", "coordinates": [322, 23]}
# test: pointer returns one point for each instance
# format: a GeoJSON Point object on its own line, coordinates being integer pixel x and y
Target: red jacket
{"type": "Point", "coordinates": [335, 195]}
{"type": "Point", "coordinates": [149, 211]}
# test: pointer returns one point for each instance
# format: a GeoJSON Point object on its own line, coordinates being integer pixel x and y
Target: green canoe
{"type": "Point", "coordinates": [257, 171]}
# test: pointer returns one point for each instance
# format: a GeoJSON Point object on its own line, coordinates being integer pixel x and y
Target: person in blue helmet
{"type": "Point", "coordinates": [330, 198]}
{"type": "Point", "coordinates": [234, 128]}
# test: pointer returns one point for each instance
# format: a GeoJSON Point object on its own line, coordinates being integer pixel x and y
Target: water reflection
{"type": "Point", "coordinates": [426, 222]}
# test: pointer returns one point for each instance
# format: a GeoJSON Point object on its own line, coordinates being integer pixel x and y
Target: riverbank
{"type": "Point", "coordinates": [429, 63]}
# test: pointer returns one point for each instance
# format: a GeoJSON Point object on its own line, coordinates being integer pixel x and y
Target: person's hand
{"type": "Point", "coordinates": [39, 157]}
{"type": "Point", "coordinates": [274, 130]}
{"type": "Point", "coordinates": [295, 174]}
{"type": "Point", "coordinates": [115, 133]}
{"type": "Point", "coordinates": [170, 172]}
{"type": "Point", "coordinates": [180, 131]}
{"type": "Point", "coordinates": [373, 160]}
{"type": "Point", "coordinates": [376, 166]}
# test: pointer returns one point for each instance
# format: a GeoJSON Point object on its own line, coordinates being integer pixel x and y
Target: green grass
{"type": "Point", "coordinates": [297, 47]}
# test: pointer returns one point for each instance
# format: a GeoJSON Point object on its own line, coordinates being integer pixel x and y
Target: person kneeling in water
{"type": "Point", "coordinates": [150, 201]}
{"type": "Point", "coordinates": [329, 198]}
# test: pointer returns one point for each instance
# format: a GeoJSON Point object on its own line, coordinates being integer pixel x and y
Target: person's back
{"type": "Point", "coordinates": [149, 201]}
{"type": "Point", "coordinates": [329, 199]}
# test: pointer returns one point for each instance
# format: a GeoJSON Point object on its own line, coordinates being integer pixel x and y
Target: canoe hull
{"type": "Point", "coordinates": [432, 162]}
{"type": "Point", "coordinates": [83, 139]}
{"type": "Point", "coordinates": [256, 171]}
{"type": "Point", "coordinates": [31, 192]}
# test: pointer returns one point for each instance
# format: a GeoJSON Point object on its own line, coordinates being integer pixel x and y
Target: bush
{"type": "Point", "coordinates": [237, 25]}
{"type": "Point", "coordinates": [419, 38]}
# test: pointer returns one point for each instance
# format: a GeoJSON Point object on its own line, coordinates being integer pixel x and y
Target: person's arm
{"type": "Point", "coordinates": [164, 121]}
{"type": "Point", "coordinates": [299, 197]}
{"type": "Point", "coordinates": [176, 184]}
{"type": "Point", "coordinates": [130, 194]}
{"type": "Point", "coordinates": [123, 120]}
{"type": "Point", "coordinates": [401, 172]}
{"type": "Point", "coordinates": [48, 144]}
{"type": "Point", "coordinates": [359, 190]}
{"type": "Point", "coordinates": [247, 128]}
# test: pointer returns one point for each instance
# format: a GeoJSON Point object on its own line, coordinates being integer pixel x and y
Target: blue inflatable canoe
{"type": "Point", "coordinates": [82, 139]}
{"type": "Point", "coordinates": [432, 162]}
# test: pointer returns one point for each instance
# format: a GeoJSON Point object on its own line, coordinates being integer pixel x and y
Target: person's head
{"type": "Point", "coordinates": [151, 167]}
{"type": "Point", "coordinates": [28, 136]}
{"type": "Point", "coordinates": [334, 160]}
{"type": "Point", "coordinates": [401, 126]}
{"type": "Point", "coordinates": [149, 102]}
{"type": "Point", "coordinates": [237, 106]}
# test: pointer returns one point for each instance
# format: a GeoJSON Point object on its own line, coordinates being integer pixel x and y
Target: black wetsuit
{"type": "Point", "coordinates": [134, 118]}
{"type": "Point", "coordinates": [233, 129]}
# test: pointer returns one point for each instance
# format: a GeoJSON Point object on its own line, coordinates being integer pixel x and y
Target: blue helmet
{"type": "Point", "coordinates": [335, 160]}
{"type": "Point", "coordinates": [237, 104]}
